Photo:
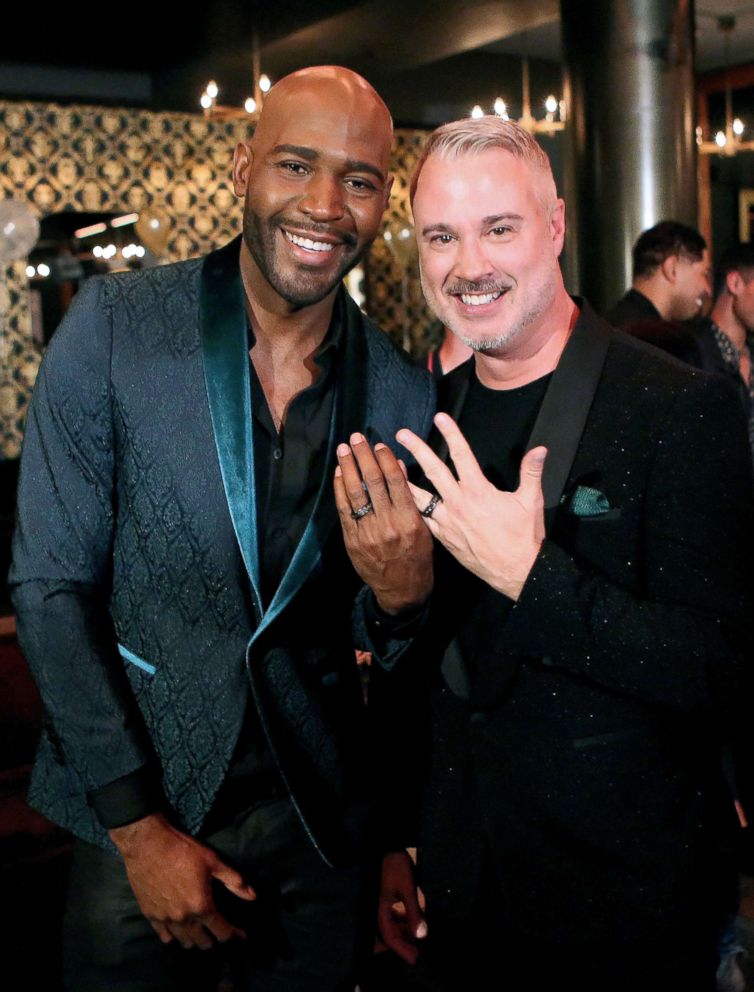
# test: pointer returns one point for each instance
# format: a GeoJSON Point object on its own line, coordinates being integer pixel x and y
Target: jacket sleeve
{"type": "Point", "coordinates": [387, 638]}
{"type": "Point", "coordinates": [62, 556]}
{"type": "Point", "coordinates": [681, 640]}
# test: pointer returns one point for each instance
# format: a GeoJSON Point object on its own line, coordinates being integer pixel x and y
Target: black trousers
{"type": "Point", "coordinates": [306, 929]}
{"type": "Point", "coordinates": [489, 950]}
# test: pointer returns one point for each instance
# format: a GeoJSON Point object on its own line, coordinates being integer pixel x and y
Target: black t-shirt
{"type": "Point", "coordinates": [497, 424]}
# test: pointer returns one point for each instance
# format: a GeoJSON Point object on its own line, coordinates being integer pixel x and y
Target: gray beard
{"type": "Point", "coordinates": [500, 341]}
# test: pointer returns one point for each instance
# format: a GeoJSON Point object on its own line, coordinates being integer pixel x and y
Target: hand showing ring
{"type": "Point", "coordinates": [495, 534]}
{"type": "Point", "coordinates": [388, 542]}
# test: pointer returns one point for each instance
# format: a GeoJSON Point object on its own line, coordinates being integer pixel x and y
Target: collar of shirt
{"type": "Point", "coordinates": [325, 358]}
{"type": "Point", "coordinates": [731, 354]}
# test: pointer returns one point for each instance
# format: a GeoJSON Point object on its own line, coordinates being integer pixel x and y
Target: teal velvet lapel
{"type": "Point", "coordinates": [225, 349]}
{"type": "Point", "coordinates": [226, 370]}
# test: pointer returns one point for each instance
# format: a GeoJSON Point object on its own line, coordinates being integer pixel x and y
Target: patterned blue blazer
{"type": "Point", "coordinates": [135, 572]}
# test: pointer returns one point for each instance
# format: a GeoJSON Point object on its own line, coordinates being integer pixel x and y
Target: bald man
{"type": "Point", "coordinates": [182, 591]}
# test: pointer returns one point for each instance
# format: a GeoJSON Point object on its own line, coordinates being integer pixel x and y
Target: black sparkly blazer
{"type": "Point", "coordinates": [135, 569]}
{"type": "Point", "coordinates": [580, 752]}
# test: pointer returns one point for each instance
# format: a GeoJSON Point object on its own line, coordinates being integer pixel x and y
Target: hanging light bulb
{"type": "Point", "coordinates": [264, 82]}
{"type": "Point", "coordinates": [212, 89]}
{"type": "Point", "coordinates": [551, 104]}
{"type": "Point", "coordinates": [476, 111]}
{"type": "Point", "coordinates": [250, 105]}
{"type": "Point", "coordinates": [738, 127]}
{"type": "Point", "coordinates": [206, 101]}
{"type": "Point", "coordinates": [720, 139]}
{"type": "Point", "coordinates": [500, 107]}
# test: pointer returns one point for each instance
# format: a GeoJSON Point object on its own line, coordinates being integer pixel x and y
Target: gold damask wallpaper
{"type": "Point", "coordinates": [99, 159]}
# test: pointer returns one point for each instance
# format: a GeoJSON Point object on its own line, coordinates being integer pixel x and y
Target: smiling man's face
{"type": "Point", "coordinates": [315, 182]}
{"type": "Point", "coordinates": [490, 231]}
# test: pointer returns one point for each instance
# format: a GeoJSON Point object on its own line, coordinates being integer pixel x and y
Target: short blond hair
{"type": "Point", "coordinates": [473, 135]}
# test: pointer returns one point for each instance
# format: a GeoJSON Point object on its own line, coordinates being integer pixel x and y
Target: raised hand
{"type": "Point", "coordinates": [385, 536]}
{"type": "Point", "coordinates": [494, 534]}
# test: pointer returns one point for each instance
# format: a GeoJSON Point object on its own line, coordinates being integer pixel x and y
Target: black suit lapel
{"type": "Point", "coordinates": [565, 407]}
{"type": "Point", "coordinates": [451, 396]}
{"type": "Point", "coordinates": [568, 400]}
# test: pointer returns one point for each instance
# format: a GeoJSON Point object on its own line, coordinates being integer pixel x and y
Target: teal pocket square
{"type": "Point", "coordinates": [586, 502]}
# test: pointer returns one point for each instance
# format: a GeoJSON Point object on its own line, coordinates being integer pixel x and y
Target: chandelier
{"type": "Point", "coordinates": [252, 107]}
{"type": "Point", "coordinates": [555, 112]}
{"type": "Point", "coordinates": [729, 141]}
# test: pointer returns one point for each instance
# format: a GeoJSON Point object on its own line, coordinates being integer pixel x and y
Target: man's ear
{"type": "Point", "coordinates": [669, 267]}
{"type": "Point", "coordinates": [734, 283]}
{"type": "Point", "coordinates": [388, 187]}
{"type": "Point", "coordinates": [558, 225]}
{"type": "Point", "coordinates": [243, 156]}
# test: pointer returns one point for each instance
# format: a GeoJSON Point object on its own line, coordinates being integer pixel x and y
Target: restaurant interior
{"type": "Point", "coordinates": [116, 135]}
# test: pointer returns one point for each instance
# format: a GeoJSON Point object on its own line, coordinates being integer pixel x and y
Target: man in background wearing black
{"type": "Point", "coordinates": [671, 280]}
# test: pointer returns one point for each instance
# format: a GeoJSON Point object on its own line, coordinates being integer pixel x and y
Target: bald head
{"type": "Point", "coordinates": [327, 92]}
{"type": "Point", "coordinates": [315, 181]}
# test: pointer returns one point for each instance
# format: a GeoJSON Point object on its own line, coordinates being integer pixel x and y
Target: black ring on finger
{"type": "Point", "coordinates": [362, 511]}
{"type": "Point", "coordinates": [430, 508]}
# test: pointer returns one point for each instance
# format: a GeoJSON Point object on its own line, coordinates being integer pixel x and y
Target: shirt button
{"type": "Point", "coordinates": [277, 454]}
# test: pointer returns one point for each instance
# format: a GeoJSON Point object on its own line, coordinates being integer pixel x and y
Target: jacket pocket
{"type": "Point", "coordinates": [602, 740]}
{"type": "Point", "coordinates": [134, 659]}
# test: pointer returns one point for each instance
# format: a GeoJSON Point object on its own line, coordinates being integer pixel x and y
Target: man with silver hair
{"type": "Point", "coordinates": [557, 759]}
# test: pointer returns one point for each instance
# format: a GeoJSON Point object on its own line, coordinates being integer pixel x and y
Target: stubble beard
{"type": "Point", "coordinates": [299, 288]}
{"type": "Point", "coordinates": [500, 342]}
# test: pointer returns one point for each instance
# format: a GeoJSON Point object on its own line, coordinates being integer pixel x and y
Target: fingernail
{"type": "Point", "coordinates": [338, 471]}
{"type": "Point", "coordinates": [379, 445]}
{"type": "Point", "coordinates": [421, 931]}
{"type": "Point", "coordinates": [343, 449]}
{"type": "Point", "coordinates": [357, 438]}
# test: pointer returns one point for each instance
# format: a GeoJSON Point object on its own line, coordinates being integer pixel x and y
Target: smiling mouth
{"type": "Point", "coordinates": [309, 243]}
{"type": "Point", "coordinates": [479, 299]}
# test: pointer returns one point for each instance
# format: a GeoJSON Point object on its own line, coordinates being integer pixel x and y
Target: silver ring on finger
{"type": "Point", "coordinates": [430, 508]}
{"type": "Point", "coordinates": [362, 511]}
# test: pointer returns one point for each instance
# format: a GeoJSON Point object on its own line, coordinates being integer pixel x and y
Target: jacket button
{"type": "Point", "coordinates": [478, 718]}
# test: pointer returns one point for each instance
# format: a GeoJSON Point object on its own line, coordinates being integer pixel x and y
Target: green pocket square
{"type": "Point", "coordinates": [586, 502]}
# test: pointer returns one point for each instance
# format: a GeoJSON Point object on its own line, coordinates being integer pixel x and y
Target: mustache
{"type": "Point", "coordinates": [317, 227]}
{"type": "Point", "coordinates": [459, 286]}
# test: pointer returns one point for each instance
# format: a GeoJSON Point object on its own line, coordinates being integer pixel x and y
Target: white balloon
{"type": "Point", "coordinates": [19, 231]}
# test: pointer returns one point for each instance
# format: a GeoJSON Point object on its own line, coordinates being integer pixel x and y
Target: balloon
{"type": "Point", "coordinates": [19, 231]}
{"type": "Point", "coordinates": [399, 238]}
{"type": "Point", "coordinates": [153, 229]}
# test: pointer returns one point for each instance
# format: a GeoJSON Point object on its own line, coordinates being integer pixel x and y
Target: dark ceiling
{"type": "Point", "coordinates": [426, 58]}
{"type": "Point", "coordinates": [430, 60]}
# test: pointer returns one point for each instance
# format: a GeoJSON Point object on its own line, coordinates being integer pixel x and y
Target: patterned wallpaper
{"type": "Point", "coordinates": [100, 159]}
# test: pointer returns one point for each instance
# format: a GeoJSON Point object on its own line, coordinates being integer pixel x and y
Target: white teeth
{"type": "Point", "coordinates": [308, 243]}
{"type": "Point", "coordinates": [479, 299]}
